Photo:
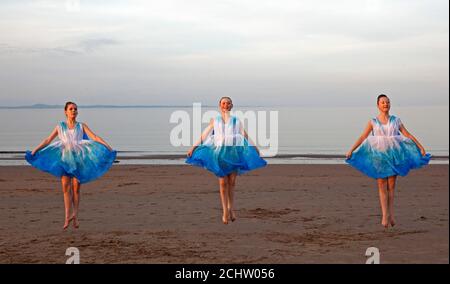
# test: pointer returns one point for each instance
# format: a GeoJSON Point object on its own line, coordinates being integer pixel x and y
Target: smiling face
{"type": "Point", "coordinates": [71, 111]}
{"type": "Point", "coordinates": [384, 104]}
{"type": "Point", "coordinates": [225, 104]}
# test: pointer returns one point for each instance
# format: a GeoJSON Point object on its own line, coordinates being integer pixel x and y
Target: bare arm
{"type": "Point", "coordinates": [202, 137]}
{"type": "Point", "coordinates": [410, 136]}
{"type": "Point", "coordinates": [361, 139]}
{"type": "Point", "coordinates": [95, 137]}
{"type": "Point", "coordinates": [245, 134]}
{"type": "Point", "coordinates": [46, 140]}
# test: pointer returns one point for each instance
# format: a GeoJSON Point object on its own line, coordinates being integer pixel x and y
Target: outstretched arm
{"type": "Point", "coordinates": [361, 139]}
{"type": "Point", "coordinates": [202, 137]}
{"type": "Point", "coordinates": [410, 136]}
{"type": "Point", "coordinates": [95, 137]}
{"type": "Point", "coordinates": [46, 140]}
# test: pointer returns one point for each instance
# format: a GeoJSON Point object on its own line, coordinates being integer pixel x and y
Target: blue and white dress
{"type": "Point", "coordinates": [386, 152]}
{"type": "Point", "coordinates": [226, 150]}
{"type": "Point", "coordinates": [73, 155]}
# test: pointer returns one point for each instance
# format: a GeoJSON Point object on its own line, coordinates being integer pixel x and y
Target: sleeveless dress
{"type": "Point", "coordinates": [226, 150]}
{"type": "Point", "coordinates": [386, 152]}
{"type": "Point", "coordinates": [73, 155]}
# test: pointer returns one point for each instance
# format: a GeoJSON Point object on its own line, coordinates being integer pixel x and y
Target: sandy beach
{"type": "Point", "coordinates": [172, 214]}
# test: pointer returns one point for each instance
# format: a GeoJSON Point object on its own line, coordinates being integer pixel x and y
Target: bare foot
{"type": "Point", "coordinates": [232, 216]}
{"type": "Point", "coordinates": [392, 221]}
{"type": "Point", "coordinates": [384, 222]}
{"type": "Point", "coordinates": [225, 218]}
{"type": "Point", "coordinates": [67, 223]}
{"type": "Point", "coordinates": [76, 224]}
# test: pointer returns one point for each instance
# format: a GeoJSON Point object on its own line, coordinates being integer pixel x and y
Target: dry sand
{"type": "Point", "coordinates": [172, 214]}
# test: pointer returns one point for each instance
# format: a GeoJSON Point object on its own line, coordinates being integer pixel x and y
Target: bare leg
{"type": "Point", "coordinates": [231, 185]}
{"type": "Point", "coordinates": [76, 201]}
{"type": "Point", "coordinates": [382, 190]}
{"type": "Point", "coordinates": [223, 183]}
{"type": "Point", "coordinates": [391, 190]}
{"type": "Point", "coordinates": [65, 182]}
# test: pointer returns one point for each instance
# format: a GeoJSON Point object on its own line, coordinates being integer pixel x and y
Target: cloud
{"type": "Point", "coordinates": [93, 44]}
{"type": "Point", "coordinates": [178, 49]}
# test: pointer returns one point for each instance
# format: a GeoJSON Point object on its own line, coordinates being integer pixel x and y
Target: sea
{"type": "Point", "coordinates": [163, 134]}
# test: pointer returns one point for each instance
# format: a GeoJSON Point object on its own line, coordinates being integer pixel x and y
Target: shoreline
{"type": "Point", "coordinates": [141, 155]}
{"type": "Point", "coordinates": [16, 158]}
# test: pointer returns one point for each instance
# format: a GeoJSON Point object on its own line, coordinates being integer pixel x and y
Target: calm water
{"type": "Point", "coordinates": [301, 130]}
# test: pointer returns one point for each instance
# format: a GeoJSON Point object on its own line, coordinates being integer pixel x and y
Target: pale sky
{"type": "Point", "coordinates": [259, 52]}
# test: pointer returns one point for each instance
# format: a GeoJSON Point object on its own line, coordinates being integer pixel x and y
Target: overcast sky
{"type": "Point", "coordinates": [259, 52]}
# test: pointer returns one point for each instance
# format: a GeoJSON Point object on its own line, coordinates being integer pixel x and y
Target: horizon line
{"type": "Point", "coordinates": [50, 106]}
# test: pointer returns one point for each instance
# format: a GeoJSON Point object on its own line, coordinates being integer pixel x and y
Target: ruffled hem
{"type": "Point", "coordinates": [398, 159]}
{"type": "Point", "coordinates": [86, 162]}
{"type": "Point", "coordinates": [224, 160]}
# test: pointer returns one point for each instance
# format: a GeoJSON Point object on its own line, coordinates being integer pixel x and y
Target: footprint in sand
{"type": "Point", "coordinates": [127, 184]}
{"type": "Point", "coordinates": [265, 213]}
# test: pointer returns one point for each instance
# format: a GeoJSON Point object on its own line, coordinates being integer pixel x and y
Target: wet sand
{"type": "Point", "coordinates": [172, 214]}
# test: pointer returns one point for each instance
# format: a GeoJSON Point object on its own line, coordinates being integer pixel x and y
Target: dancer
{"type": "Point", "coordinates": [74, 158]}
{"type": "Point", "coordinates": [390, 151]}
{"type": "Point", "coordinates": [228, 152]}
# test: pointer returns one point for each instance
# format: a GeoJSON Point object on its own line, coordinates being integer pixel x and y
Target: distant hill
{"type": "Point", "coordinates": [34, 106]}
{"type": "Point", "coordinates": [45, 106]}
